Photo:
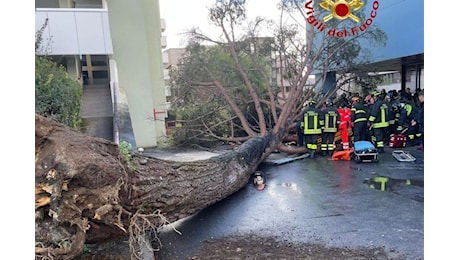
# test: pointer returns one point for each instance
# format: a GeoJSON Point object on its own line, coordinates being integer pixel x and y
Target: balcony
{"type": "Point", "coordinates": [166, 74]}
{"type": "Point", "coordinates": [165, 58]}
{"type": "Point", "coordinates": [164, 43]}
{"type": "Point", "coordinates": [74, 31]}
{"type": "Point", "coordinates": [163, 25]}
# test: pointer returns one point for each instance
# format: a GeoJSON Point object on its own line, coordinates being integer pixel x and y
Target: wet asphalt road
{"type": "Point", "coordinates": [320, 201]}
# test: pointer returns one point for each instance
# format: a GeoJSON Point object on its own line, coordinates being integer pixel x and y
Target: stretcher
{"type": "Point", "coordinates": [364, 151]}
{"type": "Point", "coordinates": [403, 156]}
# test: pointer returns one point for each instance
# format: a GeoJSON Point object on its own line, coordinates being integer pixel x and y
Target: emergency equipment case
{"type": "Point", "coordinates": [364, 151]}
{"type": "Point", "coordinates": [397, 141]}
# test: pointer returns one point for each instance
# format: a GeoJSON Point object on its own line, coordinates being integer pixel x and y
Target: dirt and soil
{"type": "Point", "coordinates": [252, 247]}
{"type": "Point", "coordinates": [248, 247]}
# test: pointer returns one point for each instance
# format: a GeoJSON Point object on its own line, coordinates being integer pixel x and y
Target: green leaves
{"type": "Point", "coordinates": [57, 96]}
{"type": "Point", "coordinates": [199, 104]}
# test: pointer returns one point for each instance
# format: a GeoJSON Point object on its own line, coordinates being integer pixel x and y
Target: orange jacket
{"type": "Point", "coordinates": [345, 118]}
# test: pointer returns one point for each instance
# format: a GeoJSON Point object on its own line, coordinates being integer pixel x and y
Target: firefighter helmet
{"type": "Point", "coordinates": [368, 98]}
{"type": "Point", "coordinates": [329, 102]}
{"type": "Point", "coordinates": [376, 93]}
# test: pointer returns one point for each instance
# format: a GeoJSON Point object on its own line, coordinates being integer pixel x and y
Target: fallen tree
{"type": "Point", "coordinates": [87, 193]}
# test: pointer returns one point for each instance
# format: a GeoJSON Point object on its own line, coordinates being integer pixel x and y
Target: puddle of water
{"type": "Point", "coordinates": [383, 183]}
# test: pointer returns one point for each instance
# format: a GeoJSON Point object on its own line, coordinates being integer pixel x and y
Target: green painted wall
{"type": "Point", "coordinates": [136, 39]}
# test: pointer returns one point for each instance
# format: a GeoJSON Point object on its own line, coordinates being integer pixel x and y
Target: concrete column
{"type": "Point", "coordinates": [136, 31]}
{"type": "Point", "coordinates": [73, 68]}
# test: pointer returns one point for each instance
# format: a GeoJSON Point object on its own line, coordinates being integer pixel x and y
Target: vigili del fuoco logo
{"type": "Point", "coordinates": [341, 10]}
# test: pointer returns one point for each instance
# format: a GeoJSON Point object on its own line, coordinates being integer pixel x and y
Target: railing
{"type": "Point", "coordinates": [171, 124]}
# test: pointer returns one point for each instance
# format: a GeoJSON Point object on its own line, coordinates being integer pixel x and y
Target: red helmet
{"type": "Point", "coordinates": [368, 97]}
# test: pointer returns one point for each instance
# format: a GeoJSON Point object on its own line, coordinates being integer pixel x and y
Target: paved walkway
{"type": "Point", "coordinates": [185, 156]}
{"type": "Point", "coordinates": [318, 201]}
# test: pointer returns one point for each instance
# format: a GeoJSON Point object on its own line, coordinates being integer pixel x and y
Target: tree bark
{"type": "Point", "coordinates": [87, 193]}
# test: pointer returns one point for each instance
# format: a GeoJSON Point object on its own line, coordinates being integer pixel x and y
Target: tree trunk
{"type": "Point", "coordinates": [87, 193]}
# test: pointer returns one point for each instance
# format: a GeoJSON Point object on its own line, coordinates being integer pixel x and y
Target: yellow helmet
{"type": "Point", "coordinates": [376, 93]}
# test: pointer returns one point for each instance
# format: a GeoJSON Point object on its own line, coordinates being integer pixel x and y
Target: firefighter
{"type": "Point", "coordinates": [407, 120]}
{"type": "Point", "coordinates": [299, 126]}
{"type": "Point", "coordinates": [329, 128]}
{"type": "Point", "coordinates": [359, 120]}
{"type": "Point", "coordinates": [393, 116]}
{"type": "Point", "coordinates": [378, 120]}
{"type": "Point", "coordinates": [420, 118]}
{"type": "Point", "coordinates": [345, 124]}
{"type": "Point", "coordinates": [299, 132]}
{"type": "Point", "coordinates": [311, 125]}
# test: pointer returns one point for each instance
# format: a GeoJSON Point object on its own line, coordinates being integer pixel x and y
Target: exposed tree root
{"type": "Point", "coordinates": [87, 194]}
{"type": "Point", "coordinates": [68, 249]}
{"type": "Point", "coordinates": [142, 224]}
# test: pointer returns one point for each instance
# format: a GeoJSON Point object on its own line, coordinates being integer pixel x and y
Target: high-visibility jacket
{"type": "Point", "coordinates": [311, 121]}
{"type": "Point", "coordinates": [331, 119]}
{"type": "Point", "coordinates": [345, 124]}
{"type": "Point", "coordinates": [358, 113]}
{"type": "Point", "coordinates": [345, 118]}
{"type": "Point", "coordinates": [378, 114]}
{"type": "Point", "coordinates": [407, 113]}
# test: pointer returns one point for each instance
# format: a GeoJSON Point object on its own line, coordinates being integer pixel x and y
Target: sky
{"type": "Point", "coordinates": [194, 13]}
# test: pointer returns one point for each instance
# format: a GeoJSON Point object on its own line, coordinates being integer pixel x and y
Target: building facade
{"type": "Point", "coordinates": [171, 59]}
{"type": "Point", "coordinates": [116, 44]}
{"type": "Point", "coordinates": [401, 60]}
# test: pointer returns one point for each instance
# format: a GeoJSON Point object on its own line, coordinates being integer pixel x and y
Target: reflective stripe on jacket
{"type": "Point", "coordinates": [378, 115]}
{"type": "Point", "coordinates": [408, 112]}
{"type": "Point", "coordinates": [358, 113]}
{"type": "Point", "coordinates": [311, 121]}
{"type": "Point", "coordinates": [331, 120]}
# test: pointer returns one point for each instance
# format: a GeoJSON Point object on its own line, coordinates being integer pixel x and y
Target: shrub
{"type": "Point", "coordinates": [57, 96]}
